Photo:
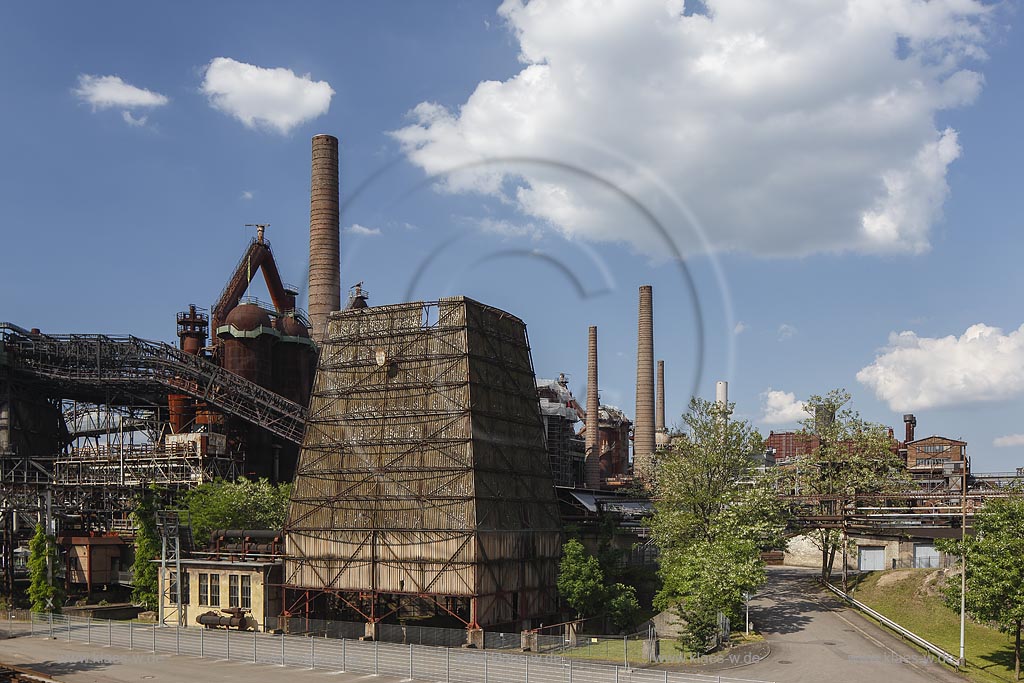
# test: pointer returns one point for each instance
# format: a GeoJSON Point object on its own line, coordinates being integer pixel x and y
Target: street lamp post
{"type": "Point", "coordinates": [963, 556]}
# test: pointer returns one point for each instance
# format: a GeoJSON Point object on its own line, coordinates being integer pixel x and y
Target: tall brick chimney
{"type": "Point", "coordinates": [592, 461]}
{"type": "Point", "coordinates": [910, 422]}
{"type": "Point", "coordinates": [643, 425]}
{"type": "Point", "coordinates": [660, 431]}
{"type": "Point", "coordinates": [324, 229]}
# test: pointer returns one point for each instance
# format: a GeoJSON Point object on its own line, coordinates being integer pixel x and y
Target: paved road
{"type": "Point", "coordinates": [82, 663]}
{"type": "Point", "coordinates": [814, 637]}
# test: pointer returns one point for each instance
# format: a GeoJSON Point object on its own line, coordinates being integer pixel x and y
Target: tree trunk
{"type": "Point", "coordinates": [824, 560]}
{"type": "Point", "coordinates": [1016, 653]}
{"type": "Point", "coordinates": [831, 559]}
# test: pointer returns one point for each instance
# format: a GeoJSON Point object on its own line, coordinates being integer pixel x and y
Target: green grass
{"type": "Point", "coordinates": [610, 649]}
{"type": "Point", "coordinates": [905, 598]}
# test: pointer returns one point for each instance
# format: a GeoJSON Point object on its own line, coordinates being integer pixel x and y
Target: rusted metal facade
{"type": "Point", "coordinates": [423, 472]}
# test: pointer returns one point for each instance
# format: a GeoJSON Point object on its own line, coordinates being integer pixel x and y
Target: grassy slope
{"type": "Point", "coordinates": [909, 599]}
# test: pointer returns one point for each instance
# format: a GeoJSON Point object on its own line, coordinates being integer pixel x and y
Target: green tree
{"type": "Point", "coordinates": [708, 579]}
{"type": "Point", "coordinates": [995, 568]}
{"type": "Point", "coordinates": [714, 514]}
{"type": "Point", "coordinates": [45, 595]}
{"type": "Point", "coordinates": [145, 573]}
{"type": "Point", "coordinates": [849, 456]}
{"type": "Point", "coordinates": [580, 580]}
{"type": "Point", "coordinates": [243, 504]}
{"type": "Point", "coordinates": [623, 606]}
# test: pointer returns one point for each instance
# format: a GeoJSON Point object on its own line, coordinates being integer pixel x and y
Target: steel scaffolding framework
{"type": "Point", "coordinates": [424, 473]}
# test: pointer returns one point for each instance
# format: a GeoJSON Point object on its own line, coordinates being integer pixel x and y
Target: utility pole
{"type": "Point", "coordinates": [963, 556]}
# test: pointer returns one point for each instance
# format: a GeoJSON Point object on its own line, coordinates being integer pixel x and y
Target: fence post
{"type": "Point", "coordinates": [254, 644]}
{"type": "Point", "coordinates": [625, 653]}
{"type": "Point", "coordinates": [68, 620]}
{"type": "Point", "coordinates": [88, 629]}
{"type": "Point", "coordinates": [376, 659]}
{"type": "Point", "coordinates": [570, 671]}
{"type": "Point", "coordinates": [344, 648]}
{"type": "Point", "coordinates": [154, 638]}
{"type": "Point", "coordinates": [227, 644]}
{"type": "Point", "coordinates": [177, 640]}
{"type": "Point", "coordinates": [32, 623]}
{"type": "Point", "coordinates": [50, 614]}
{"type": "Point", "coordinates": [131, 636]}
{"type": "Point", "coordinates": [312, 653]}
{"type": "Point", "coordinates": [110, 634]}
{"type": "Point", "coordinates": [666, 676]}
{"type": "Point", "coordinates": [447, 665]}
{"type": "Point", "coordinates": [485, 666]}
{"type": "Point", "coordinates": [282, 649]}
{"type": "Point", "coordinates": [202, 648]}
{"type": "Point", "coordinates": [526, 660]}
{"type": "Point", "coordinates": [410, 661]}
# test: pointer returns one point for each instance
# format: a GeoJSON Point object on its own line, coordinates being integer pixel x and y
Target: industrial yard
{"type": "Point", "coordinates": [618, 341]}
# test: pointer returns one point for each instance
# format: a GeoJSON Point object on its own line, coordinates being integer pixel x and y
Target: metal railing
{"type": "Point", "coordinates": [892, 625]}
{"type": "Point", "coordinates": [413, 662]}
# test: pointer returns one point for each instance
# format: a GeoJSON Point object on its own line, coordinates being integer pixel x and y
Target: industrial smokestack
{"type": "Point", "coordinates": [660, 432]}
{"type": "Point", "coordinates": [910, 422]}
{"type": "Point", "coordinates": [643, 426]}
{"type": "Point", "coordinates": [592, 461]}
{"type": "Point", "coordinates": [659, 406]}
{"type": "Point", "coordinates": [722, 398]}
{"type": "Point", "coordinates": [324, 229]}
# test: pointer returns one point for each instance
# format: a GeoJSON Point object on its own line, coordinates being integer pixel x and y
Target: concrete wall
{"type": "Point", "coordinates": [265, 597]}
{"type": "Point", "coordinates": [801, 552]}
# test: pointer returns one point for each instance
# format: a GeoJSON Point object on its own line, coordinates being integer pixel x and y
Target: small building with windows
{"type": "Point", "coordinates": [252, 585]}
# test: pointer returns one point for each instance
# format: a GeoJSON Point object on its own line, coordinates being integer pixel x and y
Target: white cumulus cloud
{"type": "Point", "coordinates": [277, 99]}
{"type": "Point", "coordinates": [787, 127]}
{"type": "Point", "coordinates": [786, 331]}
{"type": "Point", "coordinates": [357, 229]}
{"type": "Point", "coordinates": [740, 328]}
{"type": "Point", "coordinates": [781, 407]}
{"type": "Point", "coordinates": [247, 195]}
{"type": "Point", "coordinates": [106, 92]}
{"type": "Point", "coordinates": [913, 372]}
{"type": "Point", "coordinates": [1008, 441]}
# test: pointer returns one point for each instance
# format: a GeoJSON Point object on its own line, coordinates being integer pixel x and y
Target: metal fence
{"type": "Point", "coordinates": [636, 649]}
{"type": "Point", "coordinates": [415, 662]}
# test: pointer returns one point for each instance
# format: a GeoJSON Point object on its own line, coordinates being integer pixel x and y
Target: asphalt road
{"type": "Point", "coordinates": [814, 637]}
{"type": "Point", "coordinates": [82, 663]}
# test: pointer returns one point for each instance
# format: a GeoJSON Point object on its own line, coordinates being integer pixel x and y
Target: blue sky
{"type": "Point", "coordinates": [830, 175]}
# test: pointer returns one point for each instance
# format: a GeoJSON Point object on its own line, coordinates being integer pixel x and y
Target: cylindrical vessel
{"type": "Point", "coordinates": [248, 344]}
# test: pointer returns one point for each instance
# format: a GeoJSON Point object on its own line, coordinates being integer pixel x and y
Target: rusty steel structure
{"type": "Point", "coordinates": [423, 478]}
{"type": "Point", "coordinates": [643, 426]}
{"type": "Point", "coordinates": [324, 234]}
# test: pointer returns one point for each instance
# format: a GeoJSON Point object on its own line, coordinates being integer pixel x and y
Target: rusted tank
{"type": "Point", "coordinates": [248, 338]}
{"type": "Point", "coordinates": [229, 617]}
{"type": "Point", "coordinates": [294, 359]}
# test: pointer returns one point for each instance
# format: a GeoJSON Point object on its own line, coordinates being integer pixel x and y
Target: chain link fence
{"type": "Point", "coordinates": [411, 661]}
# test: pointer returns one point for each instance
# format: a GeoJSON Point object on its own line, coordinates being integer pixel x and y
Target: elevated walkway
{"type": "Point", "coordinates": [99, 367]}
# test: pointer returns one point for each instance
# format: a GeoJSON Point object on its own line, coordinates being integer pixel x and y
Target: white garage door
{"type": "Point", "coordinates": [871, 558]}
{"type": "Point", "coordinates": [926, 556]}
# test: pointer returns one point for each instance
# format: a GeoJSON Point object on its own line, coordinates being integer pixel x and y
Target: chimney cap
{"type": "Point", "coordinates": [909, 417]}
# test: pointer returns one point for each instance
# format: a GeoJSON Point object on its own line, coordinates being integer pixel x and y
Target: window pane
{"type": "Point", "coordinates": [233, 590]}
{"type": "Point", "coordinates": [214, 590]}
{"type": "Point", "coordinates": [204, 589]}
{"type": "Point", "coordinates": [246, 592]}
